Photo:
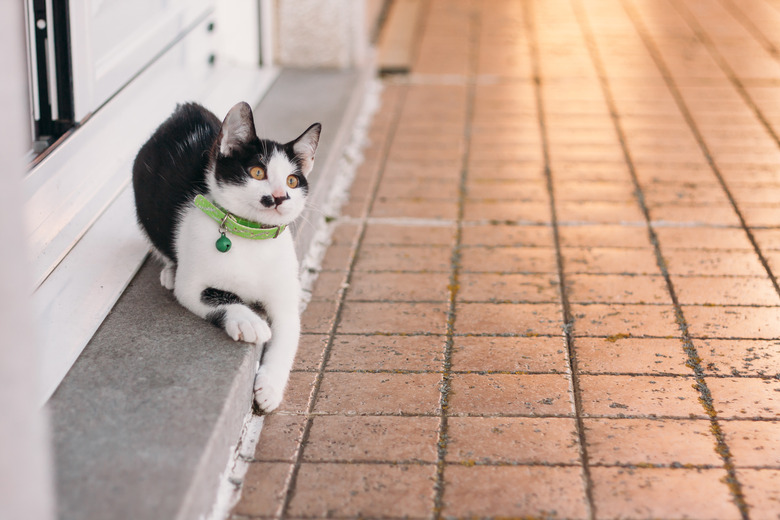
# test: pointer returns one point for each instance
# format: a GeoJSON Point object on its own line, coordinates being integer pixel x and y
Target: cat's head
{"type": "Point", "coordinates": [258, 179]}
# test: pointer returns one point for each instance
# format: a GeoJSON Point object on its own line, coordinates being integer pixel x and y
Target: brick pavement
{"type": "Point", "coordinates": [553, 290]}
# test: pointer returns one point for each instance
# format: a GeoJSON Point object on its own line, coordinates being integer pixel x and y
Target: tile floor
{"type": "Point", "coordinates": [553, 291]}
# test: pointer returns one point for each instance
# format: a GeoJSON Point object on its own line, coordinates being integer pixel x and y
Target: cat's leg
{"type": "Point", "coordinates": [271, 378]}
{"type": "Point", "coordinates": [225, 310]}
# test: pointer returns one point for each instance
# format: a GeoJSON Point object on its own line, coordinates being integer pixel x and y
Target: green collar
{"type": "Point", "coordinates": [236, 225]}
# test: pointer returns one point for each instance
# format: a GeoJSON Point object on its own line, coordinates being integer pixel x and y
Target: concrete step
{"type": "Point", "coordinates": [144, 422]}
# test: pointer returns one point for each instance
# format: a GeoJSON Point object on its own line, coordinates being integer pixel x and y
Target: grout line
{"type": "Point", "coordinates": [467, 415]}
{"type": "Point", "coordinates": [694, 361]}
{"type": "Point", "coordinates": [511, 463]}
{"type": "Point", "coordinates": [576, 391]}
{"type": "Point", "coordinates": [489, 372]}
{"type": "Point", "coordinates": [290, 484]}
{"type": "Point", "coordinates": [455, 265]}
{"type": "Point", "coordinates": [751, 27]}
{"type": "Point", "coordinates": [536, 335]}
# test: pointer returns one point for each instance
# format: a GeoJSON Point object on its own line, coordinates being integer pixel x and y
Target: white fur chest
{"type": "Point", "coordinates": [255, 270]}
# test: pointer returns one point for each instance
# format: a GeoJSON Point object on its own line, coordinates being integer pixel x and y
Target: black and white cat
{"type": "Point", "coordinates": [215, 200]}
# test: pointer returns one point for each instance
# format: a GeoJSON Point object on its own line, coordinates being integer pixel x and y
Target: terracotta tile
{"type": "Point", "coordinates": [355, 207]}
{"type": "Point", "coordinates": [377, 439]}
{"type": "Point", "coordinates": [385, 352]}
{"type": "Point", "coordinates": [508, 170]}
{"type": "Point", "coordinates": [733, 322]}
{"type": "Point", "coordinates": [508, 287]}
{"type": "Point", "coordinates": [613, 320]}
{"type": "Point", "coordinates": [702, 238]}
{"type": "Point", "coordinates": [708, 290]}
{"type": "Point", "coordinates": [405, 235]}
{"type": "Point", "coordinates": [506, 153]}
{"type": "Point", "coordinates": [507, 235]}
{"type": "Point", "coordinates": [662, 493]}
{"type": "Point", "coordinates": [701, 262]}
{"type": "Point", "coordinates": [298, 392]}
{"type": "Point", "coordinates": [631, 355]}
{"type": "Point", "coordinates": [767, 238]}
{"type": "Point", "coordinates": [704, 214]}
{"type": "Point", "coordinates": [762, 491]}
{"type": "Point", "coordinates": [399, 286]}
{"type": "Point", "coordinates": [616, 289]}
{"type": "Point", "coordinates": [604, 235]}
{"type": "Point", "coordinates": [280, 437]}
{"type": "Point", "coordinates": [363, 490]}
{"type": "Point", "coordinates": [366, 393]}
{"type": "Point", "coordinates": [526, 212]}
{"type": "Point", "coordinates": [416, 208]}
{"type": "Point", "coordinates": [642, 441]}
{"type": "Point", "coordinates": [587, 170]}
{"type": "Point", "coordinates": [328, 285]}
{"type": "Point", "coordinates": [773, 260]}
{"type": "Point", "coordinates": [758, 216]}
{"type": "Point", "coordinates": [380, 317]}
{"type": "Point", "coordinates": [599, 212]}
{"type": "Point", "coordinates": [513, 492]}
{"type": "Point", "coordinates": [575, 190]}
{"type": "Point", "coordinates": [500, 354]}
{"type": "Point", "coordinates": [533, 394]}
{"type": "Point", "coordinates": [745, 397]}
{"type": "Point", "coordinates": [310, 349]}
{"type": "Point", "coordinates": [514, 440]}
{"type": "Point", "coordinates": [650, 172]}
{"type": "Point", "coordinates": [508, 318]}
{"type": "Point", "coordinates": [415, 153]}
{"type": "Point", "coordinates": [493, 190]}
{"type": "Point", "coordinates": [508, 260]}
{"type": "Point", "coordinates": [685, 192]}
{"type": "Point", "coordinates": [443, 170]}
{"type": "Point", "coordinates": [646, 396]}
{"type": "Point", "coordinates": [319, 316]}
{"type": "Point", "coordinates": [262, 493]}
{"type": "Point", "coordinates": [753, 443]}
{"type": "Point", "coordinates": [739, 357]}
{"type": "Point", "coordinates": [609, 260]}
{"type": "Point", "coordinates": [337, 258]}
{"type": "Point", "coordinates": [381, 258]}
{"type": "Point", "coordinates": [345, 233]}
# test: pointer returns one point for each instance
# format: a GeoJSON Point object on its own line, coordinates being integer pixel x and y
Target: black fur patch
{"type": "Point", "coordinates": [217, 318]}
{"type": "Point", "coordinates": [169, 171]}
{"type": "Point", "coordinates": [218, 297]}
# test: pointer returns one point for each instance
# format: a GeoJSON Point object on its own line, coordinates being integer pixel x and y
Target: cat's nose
{"type": "Point", "coordinates": [270, 201]}
{"type": "Point", "coordinates": [278, 200]}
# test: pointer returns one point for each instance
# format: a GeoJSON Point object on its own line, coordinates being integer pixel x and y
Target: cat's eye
{"type": "Point", "coordinates": [257, 172]}
{"type": "Point", "coordinates": [292, 181]}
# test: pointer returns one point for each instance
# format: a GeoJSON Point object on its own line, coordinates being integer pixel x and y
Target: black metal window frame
{"type": "Point", "coordinates": [50, 54]}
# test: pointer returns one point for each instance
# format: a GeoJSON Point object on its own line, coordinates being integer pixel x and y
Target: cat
{"type": "Point", "coordinates": [215, 202]}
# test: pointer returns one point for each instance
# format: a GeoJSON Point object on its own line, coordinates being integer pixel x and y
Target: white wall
{"type": "Point", "coordinates": [327, 34]}
{"type": "Point", "coordinates": [26, 488]}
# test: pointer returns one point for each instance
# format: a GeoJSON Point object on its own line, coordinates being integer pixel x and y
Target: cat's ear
{"type": "Point", "coordinates": [305, 146]}
{"type": "Point", "coordinates": [238, 129]}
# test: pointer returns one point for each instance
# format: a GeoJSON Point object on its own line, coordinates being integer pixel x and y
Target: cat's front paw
{"type": "Point", "coordinates": [268, 392]}
{"type": "Point", "coordinates": [242, 324]}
